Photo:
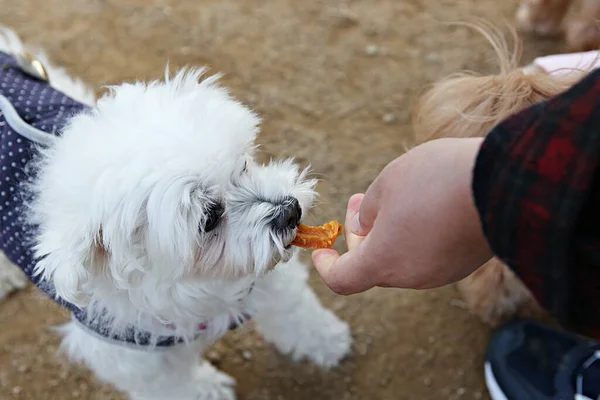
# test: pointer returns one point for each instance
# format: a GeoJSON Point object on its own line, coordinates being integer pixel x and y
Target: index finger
{"type": "Point", "coordinates": [342, 278]}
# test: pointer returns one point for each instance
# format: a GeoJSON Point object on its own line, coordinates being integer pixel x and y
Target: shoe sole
{"type": "Point", "coordinates": [496, 392]}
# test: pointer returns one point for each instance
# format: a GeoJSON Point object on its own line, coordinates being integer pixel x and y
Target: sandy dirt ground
{"type": "Point", "coordinates": [334, 82]}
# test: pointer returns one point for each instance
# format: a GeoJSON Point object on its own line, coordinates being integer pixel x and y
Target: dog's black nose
{"type": "Point", "coordinates": [289, 215]}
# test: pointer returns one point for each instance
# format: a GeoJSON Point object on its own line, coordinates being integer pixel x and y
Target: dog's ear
{"type": "Point", "coordinates": [67, 266]}
{"type": "Point", "coordinates": [98, 252]}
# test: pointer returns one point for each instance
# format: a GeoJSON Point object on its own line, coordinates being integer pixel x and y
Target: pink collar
{"type": "Point", "coordinates": [233, 324]}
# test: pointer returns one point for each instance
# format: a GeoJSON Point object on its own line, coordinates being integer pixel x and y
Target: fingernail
{"type": "Point", "coordinates": [355, 225]}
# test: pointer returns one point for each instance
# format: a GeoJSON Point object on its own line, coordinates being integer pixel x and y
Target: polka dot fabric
{"type": "Point", "coordinates": [45, 108]}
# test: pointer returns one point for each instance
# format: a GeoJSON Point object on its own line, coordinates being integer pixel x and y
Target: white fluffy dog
{"type": "Point", "coordinates": [147, 216]}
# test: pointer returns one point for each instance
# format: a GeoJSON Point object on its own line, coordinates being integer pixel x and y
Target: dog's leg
{"type": "Point", "coordinates": [11, 277]}
{"type": "Point", "coordinates": [583, 33]}
{"type": "Point", "coordinates": [494, 293]}
{"type": "Point", "coordinates": [542, 17]}
{"type": "Point", "coordinates": [177, 372]}
{"type": "Point", "coordinates": [290, 316]}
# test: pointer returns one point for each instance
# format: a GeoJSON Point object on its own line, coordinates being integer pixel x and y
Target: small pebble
{"type": "Point", "coordinates": [362, 349]}
{"type": "Point", "coordinates": [247, 355]}
{"type": "Point", "coordinates": [458, 304]}
{"type": "Point", "coordinates": [385, 381]}
{"type": "Point", "coordinates": [17, 390]}
{"type": "Point", "coordinates": [299, 380]}
{"type": "Point", "coordinates": [252, 99]}
{"type": "Point", "coordinates": [461, 391]}
{"type": "Point", "coordinates": [414, 53]}
{"type": "Point", "coordinates": [372, 50]}
{"type": "Point", "coordinates": [213, 356]}
{"type": "Point", "coordinates": [433, 58]}
{"type": "Point", "coordinates": [388, 118]}
{"type": "Point", "coordinates": [427, 381]}
{"type": "Point", "coordinates": [22, 368]}
{"type": "Point", "coordinates": [344, 17]}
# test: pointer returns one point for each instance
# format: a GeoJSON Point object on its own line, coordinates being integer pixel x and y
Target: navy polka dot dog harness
{"type": "Point", "coordinates": [31, 113]}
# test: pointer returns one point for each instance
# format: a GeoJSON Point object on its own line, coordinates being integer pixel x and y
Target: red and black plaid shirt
{"type": "Point", "coordinates": [536, 184]}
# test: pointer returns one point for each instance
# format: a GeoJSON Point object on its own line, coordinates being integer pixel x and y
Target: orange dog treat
{"type": "Point", "coordinates": [317, 237]}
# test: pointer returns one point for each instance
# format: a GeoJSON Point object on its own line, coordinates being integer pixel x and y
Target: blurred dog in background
{"type": "Point", "coordinates": [548, 18]}
{"type": "Point", "coordinates": [470, 105]}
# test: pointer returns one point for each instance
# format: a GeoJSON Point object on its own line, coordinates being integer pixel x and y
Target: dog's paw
{"type": "Point", "coordinates": [494, 293]}
{"type": "Point", "coordinates": [532, 18]}
{"type": "Point", "coordinates": [206, 383]}
{"type": "Point", "coordinates": [325, 342]}
{"type": "Point", "coordinates": [213, 384]}
{"type": "Point", "coordinates": [333, 347]}
{"type": "Point", "coordinates": [11, 278]}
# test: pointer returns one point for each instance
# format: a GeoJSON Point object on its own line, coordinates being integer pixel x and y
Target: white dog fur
{"type": "Point", "coordinates": [119, 199]}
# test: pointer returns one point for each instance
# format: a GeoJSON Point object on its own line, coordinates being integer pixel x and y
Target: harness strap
{"type": "Point", "coordinates": [23, 128]}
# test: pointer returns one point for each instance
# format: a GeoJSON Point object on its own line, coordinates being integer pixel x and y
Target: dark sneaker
{"type": "Point", "coordinates": [530, 361]}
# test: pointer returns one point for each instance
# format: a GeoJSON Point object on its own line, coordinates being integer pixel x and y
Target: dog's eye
{"type": "Point", "coordinates": [245, 169]}
{"type": "Point", "coordinates": [214, 215]}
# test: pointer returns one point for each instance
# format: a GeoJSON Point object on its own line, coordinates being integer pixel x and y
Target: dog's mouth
{"type": "Point", "coordinates": [289, 238]}
{"type": "Point", "coordinates": [286, 254]}
{"type": "Point", "coordinates": [283, 248]}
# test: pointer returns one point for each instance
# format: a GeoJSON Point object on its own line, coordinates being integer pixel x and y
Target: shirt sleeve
{"type": "Point", "coordinates": [537, 190]}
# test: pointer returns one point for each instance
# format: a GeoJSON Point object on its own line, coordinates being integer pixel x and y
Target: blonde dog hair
{"type": "Point", "coordinates": [470, 105]}
{"type": "Point", "coordinates": [467, 104]}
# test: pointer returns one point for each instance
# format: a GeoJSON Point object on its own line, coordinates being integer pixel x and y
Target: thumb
{"type": "Point", "coordinates": [346, 274]}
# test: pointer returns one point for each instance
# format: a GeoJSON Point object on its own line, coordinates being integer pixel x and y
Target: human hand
{"type": "Point", "coordinates": [416, 226]}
